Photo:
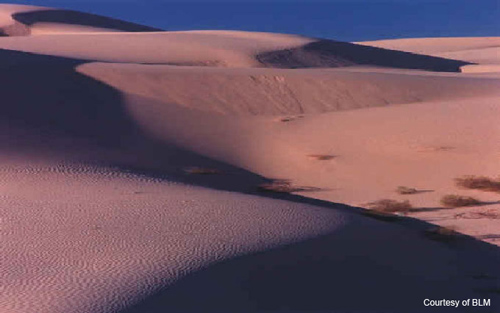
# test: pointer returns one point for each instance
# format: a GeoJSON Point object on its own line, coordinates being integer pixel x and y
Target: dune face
{"type": "Point", "coordinates": [212, 171]}
{"type": "Point", "coordinates": [20, 20]}
{"type": "Point", "coordinates": [482, 51]}
{"type": "Point", "coordinates": [329, 53]}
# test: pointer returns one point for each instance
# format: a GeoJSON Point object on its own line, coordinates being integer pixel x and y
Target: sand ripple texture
{"type": "Point", "coordinates": [87, 240]}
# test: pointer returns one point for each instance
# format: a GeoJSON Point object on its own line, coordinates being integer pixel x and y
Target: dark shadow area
{"type": "Point", "coordinates": [79, 18]}
{"type": "Point", "coordinates": [46, 94]}
{"type": "Point", "coordinates": [330, 53]}
{"type": "Point", "coordinates": [16, 29]}
{"type": "Point", "coordinates": [47, 105]}
{"type": "Point", "coordinates": [331, 274]}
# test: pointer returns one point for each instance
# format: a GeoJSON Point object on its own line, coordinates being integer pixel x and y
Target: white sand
{"type": "Point", "coordinates": [484, 50]}
{"type": "Point", "coordinates": [98, 212]}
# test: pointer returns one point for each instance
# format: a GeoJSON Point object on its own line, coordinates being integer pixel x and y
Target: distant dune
{"type": "Point", "coordinates": [484, 51]}
{"type": "Point", "coordinates": [145, 171]}
{"type": "Point", "coordinates": [20, 20]}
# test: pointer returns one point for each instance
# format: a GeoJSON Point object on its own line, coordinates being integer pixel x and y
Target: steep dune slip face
{"type": "Point", "coordinates": [284, 92]}
{"type": "Point", "coordinates": [329, 53]}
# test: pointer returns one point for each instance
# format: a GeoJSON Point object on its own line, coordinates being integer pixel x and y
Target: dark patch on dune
{"type": "Point", "coordinates": [329, 53]}
{"type": "Point", "coordinates": [16, 29]}
{"type": "Point", "coordinates": [46, 105]}
{"type": "Point", "coordinates": [345, 271]}
{"type": "Point", "coordinates": [79, 18]}
{"type": "Point", "coordinates": [47, 94]}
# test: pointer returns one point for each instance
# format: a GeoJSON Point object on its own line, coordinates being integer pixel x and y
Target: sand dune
{"type": "Point", "coordinates": [224, 49]}
{"type": "Point", "coordinates": [243, 91]}
{"type": "Point", "coordinates": [484, 51]}
{"type": "Point", "coordinates": [130, 168]}
{"type": "Point", "coordinates": [22, 20]}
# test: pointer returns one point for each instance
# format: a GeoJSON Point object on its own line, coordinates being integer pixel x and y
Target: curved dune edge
{"type": "Point", "coordinates": [23, 20]}
{"type": "Point", "coordinates": [209, 48]}
{"type": "Point", "coordinates": [226, 49]}
{"type": "Point", "coordinates": [245, 91]}
{"type": "Point", "coordinates": [479, 50]}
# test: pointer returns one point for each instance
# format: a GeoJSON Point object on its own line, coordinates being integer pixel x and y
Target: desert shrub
{"type": "Point", "coordinates": [402, 190]}
{"type": "Point", "coordinates": [479, 183]}
{"type": "Point", "coordinates": [283, 186]}
{"type": "Point", "coordinates": [390, 206]}
{"type": "Point", "coordinates": [455, 201]}
{"type": "Point", "coordinates": [201, 171]}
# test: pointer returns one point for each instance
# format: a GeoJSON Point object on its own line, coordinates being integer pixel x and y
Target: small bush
{"type": "Point", "coordinates": [402, 190]}
{"type": "Point", "coordinates": [201, 171]}
{"type": "Point", "coordinates": [390, 206]}
{"type": "Point", "coordinates": [456, 201]}
{"type": "Point", "coordinates": [479, 183]}
{"type": "Point", "coordinates": [283, 186]}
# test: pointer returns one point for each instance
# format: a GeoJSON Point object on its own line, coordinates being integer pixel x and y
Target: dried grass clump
{"type": "Point", "coordinates": [479, 183]}
{"type": "Point", "coordinates": [456, 201]}
{"type": "Point", "coordinates": [283, 186]}
{"type": "Point", "coordinates": [390, 206]}
{"type": "Point", "coordinates": [402, 190]}
{"type": "Point", "coordinates": [201, 171]}
{"type": "Point", "coordinates": [321, 157]}
{"type": "Point", "coordinates": [489, 214]}
{"type": "Point", "coordinates": [383, 216]}
{"type": "Point", "coordinates": [442, 233]}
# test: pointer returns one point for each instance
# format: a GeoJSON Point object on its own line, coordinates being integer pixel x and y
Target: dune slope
{"type": "Point", "coordinates": [21, 20]}
{"type": "Point", "coordinates": [132, 164]}
{"type": "Point", "coordinates": [484, 51]}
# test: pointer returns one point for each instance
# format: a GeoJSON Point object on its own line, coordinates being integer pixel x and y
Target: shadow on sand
{"type": "Point", "coordinates": [346, 271]}
{"type": "Point", "coordinates": [331, 53]}
{"type": "Point", "coordinates": [58, 109]}
{"type": "Point", "coordinates": [343, 271]}
{"type": "Point", "coordinates": [79, 18]}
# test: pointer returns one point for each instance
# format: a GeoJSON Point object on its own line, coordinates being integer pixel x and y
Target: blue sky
{"type": "Point", "coordinates": [348, 20]}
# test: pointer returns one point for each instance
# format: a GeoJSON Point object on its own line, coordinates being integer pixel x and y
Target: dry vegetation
{"type": "Point", "coordinates": [479, 183]}
{"type": "Point", "coordinates": [290, 118]}
{"type": "Point", "coordinates": [389, 217]}
{"type": "Point", "coordinates": [201, 171]}
{"type": "Point", "coordinates": [402, 190]}
{"type": "Point", "coordinates": [442, 233]}
{"type": "Point", "coordinates": [489, 214]}
{"type": "Point", "coordinates": [456, 201]}
{"type": "Point", "coordinates": [283, 186]}
{"type": "Point", "coordinates": [390, 206]}
{"type": "Point", "coordinates": [321, 157]}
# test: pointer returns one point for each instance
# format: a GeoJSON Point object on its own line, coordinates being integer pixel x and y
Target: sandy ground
{"type": "Point", "coordinates": [130, 165]}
